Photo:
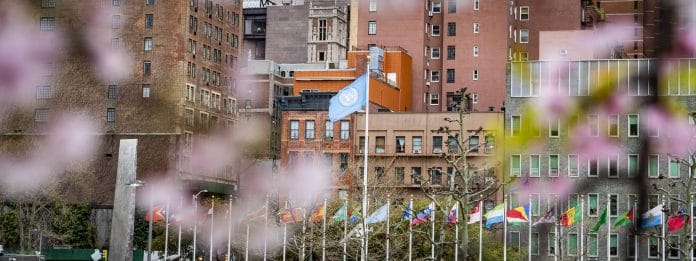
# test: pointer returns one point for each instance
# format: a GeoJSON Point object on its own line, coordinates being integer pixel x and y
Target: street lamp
{"type": "Point", "coordinates": [195, 220]}
{"type": "Point", "coordinates": [139, 183]}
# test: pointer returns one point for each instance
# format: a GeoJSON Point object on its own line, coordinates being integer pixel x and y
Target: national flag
{"type": "Point", "coordinates": [677, 221]}
{"type": "Point", "coordinates": [519, 214]}
{"type": "Point", "coordinates": [259, 214]}
{"type": "Point", "coordinates": [409, 209]}
{"type": "Point", "coordinates": [453, 214]}
{"type": "Point", "coordinates": [475, 215]}
{"type": "Point", "coordinates": [624, 219]}
{"type": "Point", "coordinates": [549, 217]}
{"type": "Point", "coordinates": [600, 221]}
{"type": "Point", "coordinates": [290, 215]}
{"type": "Point", "coordinates": [210, 211]}
{"type": "Point", "coordinates": [425, 215]}
{"type": "Point", "coordinates": [349, 99]}
{"type": "Point", "coordinates": [378, 216]}
{"type": "Point", "coordinates": [652, 218]}
{"type": "Point", "coordinates": [571, 216]}
{"type": "Point", "coordinates": [496, 215]}
{"type": "Point", "coordinates": [355, 216]}
{"type": "Point", "coordinates": [319, 214]}
{"type": "Point", "coordinates": [341, 214]}
{"type": "Point", "coordinates": [158, 212]}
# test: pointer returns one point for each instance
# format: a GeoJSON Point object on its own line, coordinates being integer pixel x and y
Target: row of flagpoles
{"type": "Point", "coordinates": [502, 213]}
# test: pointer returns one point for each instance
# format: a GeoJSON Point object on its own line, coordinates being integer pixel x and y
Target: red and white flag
{"type": "Point", "coordinates": [475, 215]}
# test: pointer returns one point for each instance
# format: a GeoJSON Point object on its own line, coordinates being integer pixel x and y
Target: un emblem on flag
{"type": "Point", "coordinates": [348, 97]}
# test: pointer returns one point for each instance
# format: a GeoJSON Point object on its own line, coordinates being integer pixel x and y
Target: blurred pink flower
{"type": "Point", "coordinates": [553, 102]}
{"type": "Point", "coordinates": [617, 103]}
{"type": "Point", "coordinates": [587, 146]}
{"type": "Point", "coordinates": [560, 186]}
{"type": "Point", "coordinates": [675, 136]}
{"type": "Point", "coordinates": [608, 36]}
{"type": "Point", "coordinates": [112, 62]}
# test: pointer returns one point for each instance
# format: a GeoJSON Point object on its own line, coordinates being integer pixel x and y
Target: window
{"type": "Point", "coordinates": [435, 53]}
{"type": "Point", "coordinates": [309, 130]}
{"type": "Point", "coordinates": [147, 68]}
{"type": "Point", "coordinates": [435, 76]}
{"type": "Point", "coordinates": [146, 91]}
{"type": "Point", "coordinates": [653, 166]}
{"type": "Point", "coordinates": [613, 166]}
{"type": "Point", "coordinates": [551, 244]}
{"type": "Point", "coordinates": [554, 128]}
{"type": "Point", "coordinates": [380, 144]}
{"type": "Point", "coordinates": [535, 243]}
{"type": "Point", "coordinates": [40, 115]}
{"type": "Point", "coordinates": [188, 117]}
{"type": "Point", "coordinates": [47, 24]}
{"type": "Point", "coordinates": [345, 127]}
{"type": "Point", "coordinates": [149, 2]}
{"type": "Point", "coordinates": [536, 204]}
{"type": "Point", "coordinates": [553, 165]}
{"type": "Point", "coordinates": [399, 175]}
{"type": "Point", "coordinates": [474, 144]}
{"type": "Point", "coordinates": [572, 244]}
{"type": "Point", "coordinates": [115, 43]}
{"type": "Point", "coordinates": [44, 92]}
{"type": "Point", "coordinates": [322, 29]}
{"type": "Point", "coordinates": [110, 114]}
{"type": "Point", "coordinates": [452, 146]}
{"type": "Point", "coordinates": [415, 175]}
{"type": "Point", "coordinates": [593, 168]}
{"type": "Point", "coordinates": [592, 245]}
{"type": "Point", "coordinates": [476, 28]}
{"type": "Point", "coordinates": [328, 130]}
{"type": "Point", "coordinates": [475, 75]}
{"type": "Point", "coordinates": [450, 75]}
{"type": "Point", "coordinates": [613, 205]}
{"type": "Point", "coordinates": [572, 165]}
{"type": "Point", "coordinates": [524, 35]}
{"type": "Point", "coordinates": [633, 125]}
{"type": "Point", "coordinates": [524, 13]}
{"type": "Point", "coordinates": [613, 245]}
{"type": "Point", "coordinates": [371, 27]}
{"type": "Point", "coordinates": [593, 203]}
{"type": "Point", "coordinates": [115, 21]}
{"type": "Point", "coordinates": [111, 94]}
{"type": "Point", "coordinates": [477, 4]}
{"type": "Point", "coordinates": [400, 144]}
{"type": "Point", "coordinates": [116, 2]}
{"type": "Point", "coordinates": [437, 7]}
{"type": "Point", "coordinates": [451, 6]}
{"type": "Point", "coordinates": [593, 121]}
{"type": "Point", "coordinates": [48, 3]}
{"type": "Point", "coordinates": [148, 20]}
{"type": "Point", "coordinates": [673, 168]}
{"type": "Point", "coordinates": [524, 56]}
{"type": "Point", "coordinates": [534, 165]}
{"type": "Point", "coordinates": [631, 245]}
{"type": "Point", "coordinates": [436, 30]}
{"type": "Point", "coordinates": [451, 52]}
{"type": "Point", "coordinates": [632, 167]}
{"type": "Point", "coordinates": [451, 29]}
{"type": "Point", "coordinates": [515, 165]}
{"type": "Point", "coordinates": [673, 252]}
{"type": "Point", "coordinates": [204, 120]}
{"type": "Point", "coordinates": [147, 44]}
{"type": "Point", "coordinates": [653, 247]}
{"type": "Point", "coordinates": [515, 123]}
{"type": "Point", "coordinates": [436, 176]}
{"type": "Point", "coordinates": [476, 51]}
{"type": "Point", "coordinates": [294, 129]}
{"type": "Point", "coordinates": [190, 92]}
{"type": "Point", "coordinates": [613, 125]}
{"type": "Point", "coordinates": [417, 144]}
{"type": "Point", "coordinates": [437, 144]}
{"type": "Point", "coordinates": [343, 164]}
{"type": "Point", "coordinates": [515, 239]}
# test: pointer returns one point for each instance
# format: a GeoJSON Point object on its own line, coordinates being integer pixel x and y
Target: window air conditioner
{"type": "Point", "coordinates": [430, 13]}
{"type": "Point", "coordinates": [416, 151]}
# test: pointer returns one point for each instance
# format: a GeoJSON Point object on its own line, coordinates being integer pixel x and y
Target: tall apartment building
{"type": "Point", "coordinates": [179, 87]}
{"type": "Point", "coordinates": [606, 181]}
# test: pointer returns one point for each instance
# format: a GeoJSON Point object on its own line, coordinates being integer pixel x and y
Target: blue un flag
{"type": "Point", "coordinates": [349, 99]}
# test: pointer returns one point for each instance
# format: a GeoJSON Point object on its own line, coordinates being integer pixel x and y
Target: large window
{"type": "Point", "coordinates": [322, 29]}
{"type": "Point", "coordinates": [613, 166]}
{"type": "Point", "coordinates": [309, 130]}
{"type": "Point", "coordinates": [653, 166]}
{"type": "Point", "coordinates": [452, 145]}
{"type": "Point", "coordinates": [592, 245]}
{"type": "Point", "coordinates": [673, 252]}
{"type": "Point", "coordinates": [115, 21]}
{"type": "Point", "coordinates": [633, 122]}
{"type": "Point", "coordinates": [673, 167]}
{"type": "Point", "coordinates": [592, 167]}
{"type": "Point", "coordinates": [415, 175]}
{"type": "Point", "coordinates": [294, 129]}
{"type": "Point", "coordinates": [474, 144]}
{"type": "Point", "coordinates": [614, 245]}
{"type": "Point", "coordinates": [328, 130]}
{"type": "Point", "coordinates": [146, 90]}
{"type": "Point", "coordinates": [400, 143]}
{"type": "Point", "coordinates": [372, 27]}
{"type": "Point", "coordinates": [417, 144]}
{"type": "Point", "coordinates": [379, 144]}
{"type": "Point", "coordinates": [632, 167]}
{"type": "Point", "coordinates": [436, 175]}
{"type": "Point", "coordinates": [613, 205]}
{"type": "Point", "coordinates": [572, 244]}
{"type": "Point", "coordinates": [515, 239]}
{"type": "Point", "coordinates": [534, 163]}
{"type": "Point", "coordinates": [592, 204]}
{"type": "Point", "coordinates": [572, 165]}
{"type": "Point", "coordinates": [515, 165]}
{"type": "Point", "coordinates": [437, 144]}
{"type": "Point", "coordinates": [553, 165]}
{"type": "Point", "coordinates": [345, 130]}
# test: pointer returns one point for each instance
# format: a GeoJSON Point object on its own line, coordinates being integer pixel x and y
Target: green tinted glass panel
{"type": "Point", "coordinates": [653, 166]}
{"type": "Point", "coordinates": [553, 161]}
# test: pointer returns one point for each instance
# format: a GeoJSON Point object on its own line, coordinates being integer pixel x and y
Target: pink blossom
{"type": "Point", "coordinates": [608, 36]}
{"type": "Point", "coordinates": [112, 64]}
{"type": "Point", "coordinates": [618, 102]}
{"type": "Point", "coordinates": [588, 146]}
{"type": "Point", "coordinates": [675, 136]}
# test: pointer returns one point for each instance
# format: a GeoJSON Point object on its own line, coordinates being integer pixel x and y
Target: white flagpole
{"type": "Point", "coordinates": [410, 229]}
{"type": "Point", "coordinates": [582, 227]}
{"type": "Point", "coordinates": [265, 230]}
{"type": "Point", "coordinates": [229, 228]}
{"type": "Point", "coordinates": [178, 244]}
{"type": "Point", "coordinates": [480, 229]}
{"type": "Point", "coordinates": [635, 236]}
{"type": "Point", "coordinates": [166, 231]}
{"type": "Point", "coordinates": [388, 206]}
{"type": "Point", "coordinates": [556, 250]}
{"type": "Point", "coordinates": [246, 245]}
{"type": "Point", "coordinates": [505, 228]}
{"type": "Point", "coordinates": [345, 230]}
{"type": "Point", "coordinates": [608, 227]}
{"type": "Point", "coordinates": [212, 222]}
{"type": "Point", "coordinates": [432, 231]}
{"type": "Point", "coordinates": [285, 231]}
{"type": "Point", "coordinates": [662, 224]}
{"type": "Point", "coordinates": [363, 255]}
{"type": "Point", "coordinates": [529, 229]}
{"type": "Point", "coordinates": [323, 234]}
{"type": "Point", "coordinates": [456, 232]}
{"type": "Point", "coordinates": [691, 236]}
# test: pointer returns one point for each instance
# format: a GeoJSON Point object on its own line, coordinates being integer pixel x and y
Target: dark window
{"type": "Point", "coordinates": [415, 175]}
{"type": "Point", "coordinates": [111, 95]}
{"type": "Point", "coordinates": [344, 162]}
{"type": "Point", "coordinates": [451, 6]}
{"type": "Point", "coordinates": [400, 144]}
{"type": "Point", "coordinates": [451, 52]}
{"type": "Point", "coordinates": [148, 20]}
{"type": "Point", "coordinates": [437, 144]}
{"type": "Point", "coordinates": [147, 67]}
{"type": "Point", "coordinates": [451, 29]}
{"type": "Point", "coordinates": [399, 175]}
{"type": "Point", "coordinates": [111, 115]}
{"type": "Point", "coordinates": [149, 2]}
{"type": "Point", "coordinates": [436, 175]}
{"type": "Point", "coordinates": [450, 75]}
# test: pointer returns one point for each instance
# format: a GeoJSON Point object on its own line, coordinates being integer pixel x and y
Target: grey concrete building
{"type": "Point", "coordinates": [595, 180]}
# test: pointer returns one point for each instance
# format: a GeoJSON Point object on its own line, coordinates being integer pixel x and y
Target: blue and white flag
{"type": "Point", "coordinates": [349, 99]}
{"type": "Point", "coordinates": [379, 216]}
{"type": "Point", "coordinates": [652, 218]}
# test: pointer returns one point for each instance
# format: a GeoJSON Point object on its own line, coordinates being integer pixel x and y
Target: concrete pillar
{"type": "Point", "coordinates": [121, 240]}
